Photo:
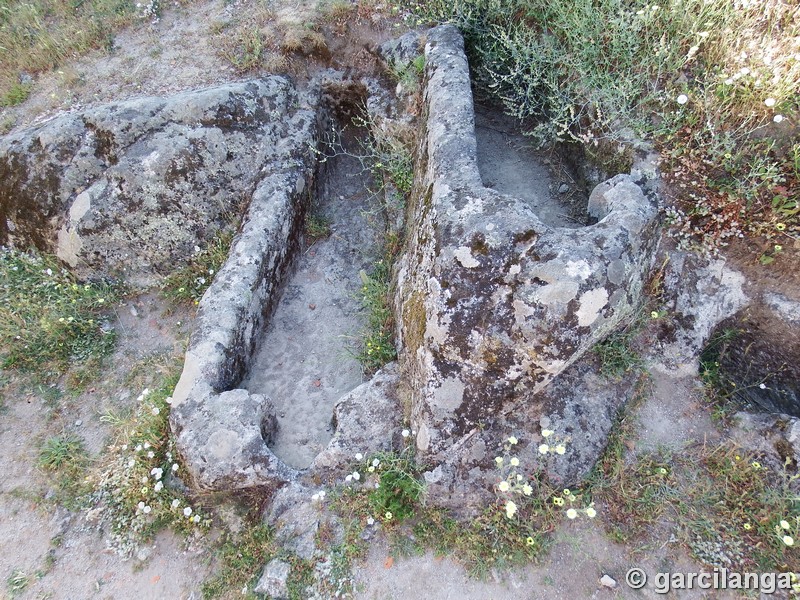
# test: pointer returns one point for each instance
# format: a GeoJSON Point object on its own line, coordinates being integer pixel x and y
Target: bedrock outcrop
{"type": "Point", "coordinates": [492, 304]}
{"type": "Point", "coordinates": [130, 188]}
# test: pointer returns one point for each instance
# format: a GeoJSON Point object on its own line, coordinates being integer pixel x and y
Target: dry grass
{"type": "Point", "coordinates": [39, 35]}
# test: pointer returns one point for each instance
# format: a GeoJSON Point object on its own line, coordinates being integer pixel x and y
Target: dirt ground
{"type": "Point", "coordinates": [66, 556]}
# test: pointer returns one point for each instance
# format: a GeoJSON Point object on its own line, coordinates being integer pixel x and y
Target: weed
{"type": "Point", "coordinates": [38, 35]}
{"type": "Point", "coordinates": [247, 51]}
{"type": "Point", "coordinates": [718, 389]}
{"type": "Point", "coordinates": [617, 353]}
{"type": "Point", "coordinates": [318, 227]}
{"type": "Point", "coordinates": [241, 560]}
{"type": "Point", "coordinates": [336, 11]}
{"type": "Point", "coordinates": [305, 40]}
{"type": "Point", "coordinates": [734, 509]}
{"type": "Point", "coordinates": [64, 451]}
{"type": "Point", "coordinates": [636, 495]}
{"type": "Point", "coordinates": [134, 487]}
{"type": "Point", "coordinates": [410, 74]}
{"type": "Point", "coordinates": [513, 529]}
{"type": "Point", "coordinates": [49, 320]}
{"type": "Point", "coordinates": [17, 582]}
{"type": "Point", "coordinates": [378, 341]}
{"type": "Point", "coordinates": [187, 285]}
{"type": "Point", "coordinates": [399, 489]}
{"type": "Point", "coordinates": [17, 94]}
{"type": "Point", "coordinates": [617, 356]}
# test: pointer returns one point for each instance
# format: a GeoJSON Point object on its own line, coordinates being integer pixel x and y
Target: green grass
{"type": "Point", "coordinates": [49, 321]}
{"type": "Point", "coordinates": [378, 341]}
{"type": "Point", "coordinates": [592, 71]}
{"type": "Point", "coordinates": [718, 389]}
{"type": "Point", "coordinates": [731, 508]}
{"type": "Point", "coordinates": [618, 353]}
{"type": "Point", "coordinates": [62, 452]}
{"type": "Point", "coordinates": [128, 485]}
{"type": "Point", "coordinates": [240, 562]}
{"type": "Point", "coordinates": [17, 582]}
{"type": "Point", "coordinates": [17, 94]}
{"type": "Point", "coordinates": [490, 540]}
{"type": "Point", "coordinates": [719, 500]}
{"type": "Point", "coordinates": [317, 227]}
{"type": "Point", "coordinates": [65, 458]}
{"type": "Point", "coordinates": [188, 284]}
{"type": "Point", "coordinates": [38, 35]}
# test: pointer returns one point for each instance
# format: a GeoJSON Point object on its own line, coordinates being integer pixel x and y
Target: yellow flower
{"type": "Point", "coordinates": [512, 440]}
{"type": "Point", "coordinates": [527, 490]}
{"type": "Point", "coordinates": [784, 524]}
{"type": "Point", "coordinates": [515, 462]}
{"type": "Point", "coordinates": [654, 314]}
{"type": "Point", "coordinates": [747, 526]}
{"type": "Point", "coordinates": [591, 512]}
{"type": "Point", "coordinates": [560, 449]}
{"type": "Point", "coordinates": [530, 541]}
{"type": "Point", "coordinates": [499, 460]}
{"type": "Point", "coordinates": [572, 513]}
{"type": "Point", "coordinates": [567, 492]}
{"type": "Point", "coordinates": [780, 226]}
{"type": "Point", "coordinates": [388, 516]}
{"type": "Point", "coordinates": [544, 449]}
{"type": "Point", "coordinates": [503, 486]}
{"type": "Point", "coordinates": [788, 540]}
{"type": "Point", "coordinates": [547, 433]}
{"type": "Point", "coordinates": [511, 509]}
{"type": "Point", "coordinates": [558, 501]}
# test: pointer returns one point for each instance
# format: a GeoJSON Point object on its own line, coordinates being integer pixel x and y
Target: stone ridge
{"type": "Point", "coordinates": [129, 189]}
{"type": "Point", "coordinates": [492, 304]}
{"type": "Point", "coordinates": [223, 433]}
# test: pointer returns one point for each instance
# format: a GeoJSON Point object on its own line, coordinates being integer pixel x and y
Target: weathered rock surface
{"type": "Point", "coordinates": [580, 405]}
{"type": "Point", "coordinates": [230, 319]}
{"type": "Point", "coordinates": [222, 432]}
{"type": "Point", "coordinates": [223, 439]}
{"type": "Point", "coordinates": [367, 420]}
{"type": "Point", "coordinates": [699, 293]}
{"type": "Point", "coordinates": [130, 188]}
{"type": "Point", "coordinates": [273, 580]}
{"type": "Point", "coordinates": [491, 303]}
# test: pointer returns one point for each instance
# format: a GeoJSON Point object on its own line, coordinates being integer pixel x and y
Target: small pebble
{"type": "Point", "coordinates": [78, 423]}
{"type": "Point", "coordinates": [563, 188]}
{"type": "Point", "coordinates": [607, 581]}
{"type": "Point", "coordinates": [133, 310]}
{"type": "Point", "coordinates": [312, 306]}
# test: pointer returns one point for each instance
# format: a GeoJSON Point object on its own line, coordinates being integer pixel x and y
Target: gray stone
{"type": "Point", "coordinates": [273, 580]}
{"type": "Point", "coordinates": [400, 52]}
{"type": "Point", "coordinates": [608, 581]}
{"type": "Point", "coordinates": [580, 406]}
{"type": "Point", "coordinates": [224, 439]}
{"type": "Point", "coordinates": [129, 189]}
{"type": "Point", "coordinates": [222, 435]}
{"type": "Point", "coordinates": [699, 294]}
{"type": "Point", "coordinates": [492, 304]}
{"type": "Point", "coordinates": [367, 421]}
